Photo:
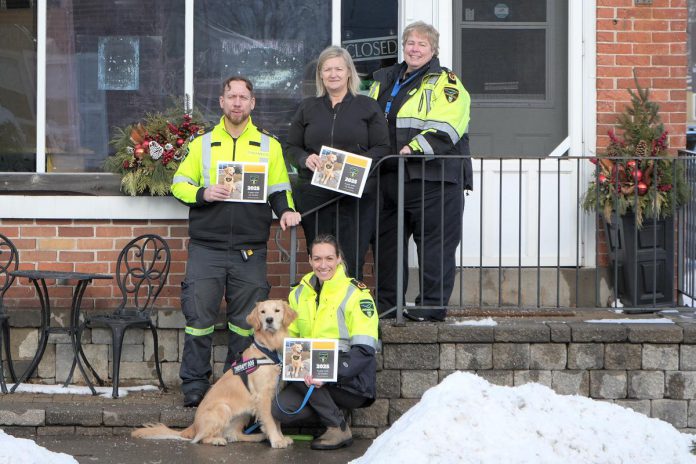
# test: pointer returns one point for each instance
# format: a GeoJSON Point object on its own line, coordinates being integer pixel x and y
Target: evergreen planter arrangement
{"type": "Point", "coordinates": [636, 190]}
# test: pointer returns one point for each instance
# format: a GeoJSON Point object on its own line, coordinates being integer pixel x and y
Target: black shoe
{"type": "Point", "coordinates": [192, 399]}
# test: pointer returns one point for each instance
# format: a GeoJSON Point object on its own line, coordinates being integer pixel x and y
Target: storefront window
{"type": "Point", "coordinates": [505, 63]}
{"type": "Point", "coordinates": [17, 86]}
{"type": "Point", "coordinates": [505, 48]}
{"type": "Point", "coordinates": [276, 47]}
{"type": "Point", "coordinates": [369, 33]}
{"type": "Point", "coordinates": [108, 64]}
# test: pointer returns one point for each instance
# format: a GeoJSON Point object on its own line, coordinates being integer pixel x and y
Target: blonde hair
{"type": "Point", "coordinates": [337, 52]}
{"type": "Point", "coordinates": [426, 30]}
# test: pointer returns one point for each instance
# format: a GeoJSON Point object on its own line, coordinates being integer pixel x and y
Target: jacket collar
{"type": "Point", "coordinates": [390, 74]}
{"type": "Point", "coordinates": [327, 99]}
{"type": "Point", "coordinates": [249, 127]}
{"type": "Point", "coordinates": [311, 280]}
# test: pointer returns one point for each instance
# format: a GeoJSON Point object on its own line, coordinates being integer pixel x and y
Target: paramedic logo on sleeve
{"type": "Point", "coordinates": [451, 94]}
{"type": "Point", "coordinates": [367, 307]}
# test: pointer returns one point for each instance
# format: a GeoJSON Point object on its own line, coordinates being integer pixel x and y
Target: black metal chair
{"type": "Point", "coordinates": [9, 261]}
{"type": "Point", "coordinates": [141, 272]}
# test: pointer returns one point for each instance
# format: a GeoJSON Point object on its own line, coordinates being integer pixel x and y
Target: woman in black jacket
{"type": "Point", "coordinates": [340, 118]}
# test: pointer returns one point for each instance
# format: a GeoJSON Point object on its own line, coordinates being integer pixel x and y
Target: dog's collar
{"type": "Point", "coordinates": [272, 355]}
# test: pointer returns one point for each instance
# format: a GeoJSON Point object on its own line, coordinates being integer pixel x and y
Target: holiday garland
{"type": "Point", "coordinates": [637, 174]}
{"type": "Point", "coordinates": [148, 153]}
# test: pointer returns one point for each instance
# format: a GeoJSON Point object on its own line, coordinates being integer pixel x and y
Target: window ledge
{"type": "Point", "coordinates": [90, 207]}
{"type": "Point", "coordinates": [79, 196]}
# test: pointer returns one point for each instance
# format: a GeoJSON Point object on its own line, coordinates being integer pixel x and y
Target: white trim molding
{"type": "Point", "coordinates": [83, 207]}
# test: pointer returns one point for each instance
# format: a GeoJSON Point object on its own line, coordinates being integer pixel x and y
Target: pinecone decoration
{"type": "Point", "coordinates": [641, 149]}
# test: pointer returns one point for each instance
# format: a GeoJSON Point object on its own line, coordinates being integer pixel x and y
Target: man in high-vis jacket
{"type": "Point", "coordinates": [227, 250]}
{"type": "Point", "coordinates": [427, 111]}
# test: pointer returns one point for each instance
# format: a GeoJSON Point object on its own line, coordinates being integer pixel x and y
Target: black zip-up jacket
{"type": "Point", "coordinates": [356, 125]}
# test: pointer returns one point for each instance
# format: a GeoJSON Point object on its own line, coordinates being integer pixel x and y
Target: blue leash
{"type": "Point", "coordinates": [304, 403]}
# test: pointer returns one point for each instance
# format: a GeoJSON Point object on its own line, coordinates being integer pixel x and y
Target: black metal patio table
{"type": "Point", "coordinates": [38, 278]}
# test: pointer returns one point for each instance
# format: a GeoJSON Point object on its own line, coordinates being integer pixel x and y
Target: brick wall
{"type": "Point", "coordinates": [652, 39]}
{"type": "Point", "coordinates": [93, 246]}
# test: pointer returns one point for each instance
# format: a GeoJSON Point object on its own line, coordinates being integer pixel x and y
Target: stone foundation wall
{"type": "Point", "coordinates": [650, 368]}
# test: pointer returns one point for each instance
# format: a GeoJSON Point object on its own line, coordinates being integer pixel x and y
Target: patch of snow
{"type": "Point", "coordinates": [481, 322]}
{"type": "Point", "coordinates": [630, 321]}
{"type": "Point", "coordinates": [465, 419]}
{"type": "Point", "coordinates": [22, 451]}
{"type": "Point", "coordinates": [78, 390]}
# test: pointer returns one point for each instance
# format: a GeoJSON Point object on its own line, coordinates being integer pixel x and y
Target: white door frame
{"type": "Point", "coordinates": [582, 108]}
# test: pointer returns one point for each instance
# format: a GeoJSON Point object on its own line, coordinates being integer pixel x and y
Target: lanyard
{"type": "Point", "coordinates": [395, 90]}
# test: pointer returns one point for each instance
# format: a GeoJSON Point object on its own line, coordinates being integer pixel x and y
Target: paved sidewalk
{"type": "Point", "coordinates": [97, 430]}
{"type": "Point", "coordinates": [126, 450]}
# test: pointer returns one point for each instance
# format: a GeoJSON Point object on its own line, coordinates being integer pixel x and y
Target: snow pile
{"type": "Point", "coordinates": [22, 451]}
{"type": "Point", "coordinates": [465, 419]}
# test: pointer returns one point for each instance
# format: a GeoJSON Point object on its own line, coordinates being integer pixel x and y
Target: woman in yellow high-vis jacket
{"type": "Point", "coordinates": [330, 304]}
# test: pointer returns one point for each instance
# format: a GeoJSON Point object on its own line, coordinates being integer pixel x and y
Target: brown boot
{"type": "Point", "coordinates": [333, 438]}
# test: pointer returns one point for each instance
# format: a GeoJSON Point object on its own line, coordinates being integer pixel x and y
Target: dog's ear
{"type": "Point", "coordinates": [289, 314]}
{"type": "Point", "coordinates": [253, 318]}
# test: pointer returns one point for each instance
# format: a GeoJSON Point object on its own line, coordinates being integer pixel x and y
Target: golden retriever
{"type": "Point", "coordinates": [229, 405]}
{"type": "Point", "coordinates": [296, 360]}
{"type": "Point", "coordinates": [228, 179]}
{"type": "Point", "coordinates": [327, 168]}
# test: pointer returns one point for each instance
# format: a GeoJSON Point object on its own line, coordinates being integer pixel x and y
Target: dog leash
{"type": "Point", "coordinates": [255, 426]}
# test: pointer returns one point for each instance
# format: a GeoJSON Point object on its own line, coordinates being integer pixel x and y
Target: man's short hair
{"type": "Point", "coordinates": [247, 83]}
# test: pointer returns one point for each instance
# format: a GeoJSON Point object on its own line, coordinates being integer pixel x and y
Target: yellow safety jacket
{"type": "Point", "coordinates": [433, 119]}
{"type": "Point", "coordinates": [342, 309]}
{"type": "Point", "coordinates": [223, 224]}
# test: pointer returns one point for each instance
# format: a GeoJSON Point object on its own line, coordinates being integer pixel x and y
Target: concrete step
{"type": "Point", "coordinates": [25, 414]}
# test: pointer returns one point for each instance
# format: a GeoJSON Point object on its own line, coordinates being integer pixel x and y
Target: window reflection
{"type": "Point", "coordinates": [369, 33]}
{"type": "Point", "coordinates": [276, 47]}
{"type": "Point", "coordinates": [108, 63]}
{"type": "Point", "coordinates": [17, 87]}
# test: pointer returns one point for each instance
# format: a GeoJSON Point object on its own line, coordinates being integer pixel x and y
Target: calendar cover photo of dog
{"type": "Point", "coordinates": [342, 171]}
{"type": "Point", "coordinates": [317, 357]}
{"type": "Point", "coordinates": [245, 180]}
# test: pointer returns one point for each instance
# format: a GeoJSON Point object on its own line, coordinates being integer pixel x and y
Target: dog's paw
{"type": "Point", "coordinates": [216, 441]}
{"type": "Point", "coordinates": [283, 442]}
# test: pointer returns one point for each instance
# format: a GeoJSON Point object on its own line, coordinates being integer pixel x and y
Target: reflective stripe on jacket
{"type": "Point", "coordinates": [231, 224]}
{"type": "Point", "coordinates": [344, 310]}
{"type": "Point", "coordinates": [432, 120]}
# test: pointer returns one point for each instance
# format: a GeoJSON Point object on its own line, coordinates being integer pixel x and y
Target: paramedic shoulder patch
{"type": "Point", "coordinates": [451, 77]}
{"type": "Point", "coordinates": [367, 307]}
{"type": "Point", "coordinates": [451, 94]}
{"type": "Point", "coordinates": [358, 284]}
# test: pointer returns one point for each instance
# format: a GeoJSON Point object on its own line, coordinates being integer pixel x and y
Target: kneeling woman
{"type": "Point", "coordinates": [330, 304]}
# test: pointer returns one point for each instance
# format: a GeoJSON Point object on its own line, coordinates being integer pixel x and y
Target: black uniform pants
{"type": "Point", "coordinates": [433, 216]}
{"type": "Point", "coordinates": [353, 229]}
{"type": "Point", "coordinates": [323, 407]}
{"type": "Point", "coordinates": [210, 275]}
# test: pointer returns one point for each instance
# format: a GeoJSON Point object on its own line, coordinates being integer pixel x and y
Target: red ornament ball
{"type": "Point", "coordinates": [602, 178]}
{"type": "Point", "coordinates": [179, 142]}
{"type": "Point", "coordinates": [631, 164]}
{"type": "Point", "coordinates": [638, 175]}
{"type": "Point", "coordinates": [642, 188]}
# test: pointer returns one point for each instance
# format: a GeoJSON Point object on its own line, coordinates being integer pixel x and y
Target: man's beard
{"type": "Point", "coordinates": [237, 119]}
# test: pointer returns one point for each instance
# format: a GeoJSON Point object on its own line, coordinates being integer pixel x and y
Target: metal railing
{"type": "Point", "coordinates": [527, 245]}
